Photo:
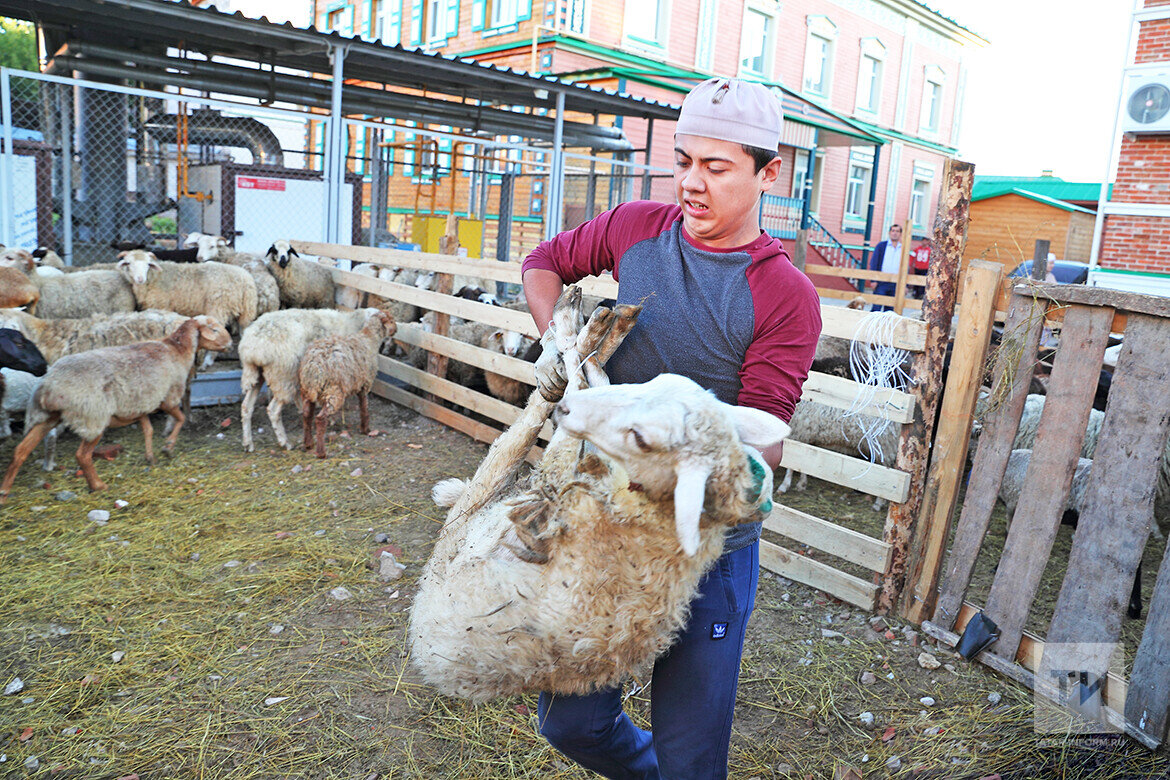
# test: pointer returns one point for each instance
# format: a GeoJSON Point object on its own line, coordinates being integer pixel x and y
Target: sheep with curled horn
{"type": "Point", "coordinates": [584, 573]}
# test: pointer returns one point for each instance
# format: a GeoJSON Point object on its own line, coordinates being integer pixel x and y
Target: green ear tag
{"type": "Point", "coordinates": [759, 474]}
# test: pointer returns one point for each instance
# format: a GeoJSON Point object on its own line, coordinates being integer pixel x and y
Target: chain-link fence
{"type": "Point", "coordinates": [97, 164]}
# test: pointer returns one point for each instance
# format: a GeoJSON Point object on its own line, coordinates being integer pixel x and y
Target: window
{"type": "Point", "coordinates": [705, 42]}
{"type": "Point", "coordinates": [389, 25]}
{"type": "Point", "coordinates": [818, 55]}
{"type": "Point", "coordinates": [869, 76]}
{"type": "Point", "coordinates": [920, 197]}
{"type": "Point", "coordinates": [857, 185]}
{"type": "Point", "coordinates": [340, 20]}
{"type": "Point", "coordinates": [501, 13]}
{"type": "Point", "coordinates": [433, 19]}
{"type": "Point", "coordinates": [646, 21]}
{"type": "Point", "coordinates": [756, 44]}
{"type": "Point", "coordinates": [932, 96]}
{"type": "Point", "coordinates": [799, 171]}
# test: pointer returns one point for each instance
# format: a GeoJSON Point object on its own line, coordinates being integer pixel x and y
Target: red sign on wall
{"type": "Point", "coordinates": [254, 183]}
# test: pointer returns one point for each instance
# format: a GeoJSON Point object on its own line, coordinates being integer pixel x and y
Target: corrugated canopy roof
{"type": "Point", "coordinates": [1047, 186]}
{"type": "Point", "coordinates": [428, 87]}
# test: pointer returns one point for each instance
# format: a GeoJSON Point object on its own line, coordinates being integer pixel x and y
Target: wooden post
{"type": "Point", "coordinates": [950, 239]}
{"type": "Point", "coordinates": [800, 253]}
{"type": "Point", "coordinates": [1040, 259]}
{"type": "Point", "coordinates": [448, 245]}
{"type": "Point", "coordinates": [1115, 521]}
{"type": "Point", "coordinates": [1059, 438]}
{"type": "Point", "coordinates": [904, 268]}
{"type": "Point", "coordinates": [1014, 365]}
{"type": "Point", "coordinates": [976, 318]}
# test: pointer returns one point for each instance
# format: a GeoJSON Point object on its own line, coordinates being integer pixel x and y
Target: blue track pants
{"type": "Point", "coordinates": [692, 695]}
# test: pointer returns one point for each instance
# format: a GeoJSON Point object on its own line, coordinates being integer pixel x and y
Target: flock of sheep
{"type": "Point", "coordinates": [312, 342]}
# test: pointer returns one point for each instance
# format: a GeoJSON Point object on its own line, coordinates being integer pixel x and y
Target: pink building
{"type": "Point", "coordinates": [872, 89]}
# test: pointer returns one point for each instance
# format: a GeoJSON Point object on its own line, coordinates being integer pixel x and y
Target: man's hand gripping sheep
{"type": "Point", "coordinates": [582, 574]}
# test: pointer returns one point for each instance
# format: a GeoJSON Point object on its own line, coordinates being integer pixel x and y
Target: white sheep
{"type": "Point", "coordinates": [82, 294]}
{"type": "Point", "coordinates": [114, 386]}
{"type": "Point", "coordinates": [576, 581]}
{"type": "Point", "coordinates": [351, 297]}
{"type": "Point", "coordinates": [222, 291]}
{"type": "Point", "coordinates": [1013, 482]}
{"type": "Point", "coordinates": [47, 258]}
{"type": "Point", "coordinates": [27, 262]}
{"type": "Point", "coordinates": [270, 351]}
{"type": "Point", "coordinates": [336, 367]}
{"type": "Point", "coordinates": [835, 429]}
{"type": "Point", "coordinates": [57, 338]}
{"type": "Point", "coordinates": [303, 284]}
{"type": "Point", "coordinates": [512, 344]}
{"type": "Point", "coordinates": [18, 389]}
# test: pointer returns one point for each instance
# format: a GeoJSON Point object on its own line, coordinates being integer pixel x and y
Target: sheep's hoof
{"type": "Point", "coordinates": [168, 452]}
{"type": "Point", "coordinates": [98, 485]}
{"type": "Point", "coordinates": [249, 447]}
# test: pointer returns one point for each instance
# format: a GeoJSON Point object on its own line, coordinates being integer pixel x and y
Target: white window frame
{"type": "Point", "coordinates": [501, 13]}
{"type": "Point", "coordinates": [857, 187]}
{"type": "Point", "coordinates": [920, 204]}
{"type": "Point", "coordinates": [707, 35]}
{"type": "Point", "coordinates": [770, 12]}
{"type": "Point", "coordinates": [639, 41]}
{"type": "Point", "coordinates": [799, 172]}
{"type": "Point", "coordinates": [434, 21]}
{"type": "Point", "coordinates": [933, 79]}
{"type": "Point", "coordinates": [820, 30]}
{"type": "Point", "coordinates": [869, 89]}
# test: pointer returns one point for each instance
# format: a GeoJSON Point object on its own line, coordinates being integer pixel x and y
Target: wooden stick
{"type": "Point", "coordinates": [448, 245]}
{"type": "Point", "coordinates": [903, 268]}
{"type": "Point", "coordinates": [950, 238]}
{"type": "Point", "coordinates": [950, 452]}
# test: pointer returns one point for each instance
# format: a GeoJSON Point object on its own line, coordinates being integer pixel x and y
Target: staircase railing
{"type": "Point", "coordinates": [834, 252]}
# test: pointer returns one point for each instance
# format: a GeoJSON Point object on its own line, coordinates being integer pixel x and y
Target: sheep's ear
{"type": "Point", "coordinates": [153, 260]}
{"type": "Point", "coordinates": [689, 492]}
{"type": "Point", "coordinates": [496, 335]}
{"type": "Point", "coordinates": [757, 428]}
{"type": "Point", "coordinates": [293, 252]}
{"type": "Point", "coordinates": [271, 251]}
{"type": "Point", "coordinates": [122, 254]}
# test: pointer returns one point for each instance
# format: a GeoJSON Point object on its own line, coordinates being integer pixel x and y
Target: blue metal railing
{"type": "Point", "coordinates": [830, 248]}
{"type": "Point", "coordinates": [780, 216]}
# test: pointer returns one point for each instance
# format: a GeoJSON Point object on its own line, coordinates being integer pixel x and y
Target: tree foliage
{"type": "Point", "coordinates": [18, 44]}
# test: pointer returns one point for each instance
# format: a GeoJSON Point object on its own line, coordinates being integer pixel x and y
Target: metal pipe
{"type": "Point", "coordinates": [334, 153]}
{"type": "Point", "coordinates": [208, 126]}
{"type": "Point", "coordinates": [6, 162]}
{"type": "Point", "coordinates": [66, 117]}
{"type": "Point", "coordinates": [556, 185]}
{"type": "Point", "coordinates": [265, 85]}
{"type": "Point", "coordinates": [873, 180]}
{"type": "Point", "coordinates": [646, 173]}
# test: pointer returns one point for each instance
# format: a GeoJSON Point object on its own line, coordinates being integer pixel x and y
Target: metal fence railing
{"type": "Point", "coordinates": [86, 164]}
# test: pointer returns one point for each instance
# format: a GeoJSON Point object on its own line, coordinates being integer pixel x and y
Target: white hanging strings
{"type": "Point", "coordinates": [875, 366]}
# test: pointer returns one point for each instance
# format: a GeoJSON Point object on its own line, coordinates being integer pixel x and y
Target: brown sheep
{"type": "Point", "coordinates": [115, 386]}
{"type": "Point", "coordinates": [336, 367]}
{"type": "Point", "coordinates": [16, 290]}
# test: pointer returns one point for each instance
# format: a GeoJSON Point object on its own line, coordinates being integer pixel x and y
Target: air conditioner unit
{"type": "Point", "coordinates": [1146, 106]}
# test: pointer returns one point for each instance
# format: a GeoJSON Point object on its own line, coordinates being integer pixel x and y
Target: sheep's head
{"type": "Point", "coordinates": [382, 322]}
{"type": "Point", "coordinates": [669, 435]}
{"type": "Point", "coordinates": [135, 265]}
{"type": "Point", "coordinates": [210, 247]}
{"type": "Point", "coordinates": [425, 281]}
{"type": "Point", "coordinates": [20, 259]}
{"type": "Point", "coordinates": [507, 342]}
{"type": "Point", "coordinates": [212, 334]}
{"type": "Point", "coordinates": [281, 253]}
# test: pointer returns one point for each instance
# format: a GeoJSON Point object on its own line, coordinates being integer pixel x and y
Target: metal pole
{"type": "Point", "coordinates": [334, 166]}
{"type": "Point", "coordinates": [66, 114]}
{"type": "Point", "coordinates": [7, 232]}
{"type": "Point", "coordinates": [556, 185]}
{"type": "Point", "coordinates": [873, 180]}
{"type": "Point", "coordinates": [646, 173]}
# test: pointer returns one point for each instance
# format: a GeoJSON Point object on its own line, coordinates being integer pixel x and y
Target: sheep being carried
{"type": "Point", "coordinates": [583, 574]}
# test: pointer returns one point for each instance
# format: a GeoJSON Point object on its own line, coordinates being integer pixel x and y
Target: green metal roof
{"type": "Point", "coordinates": [1047, 201]}
{"type": "Point", "coordinates": [1047, 186]}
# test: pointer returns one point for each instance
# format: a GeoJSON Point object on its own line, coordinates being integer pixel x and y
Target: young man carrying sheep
{"type": "Point", "coordinates": [724, 306]}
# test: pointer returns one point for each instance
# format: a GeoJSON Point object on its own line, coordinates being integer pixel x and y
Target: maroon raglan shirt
{"type": "Point", "coordinates": [741, 322]}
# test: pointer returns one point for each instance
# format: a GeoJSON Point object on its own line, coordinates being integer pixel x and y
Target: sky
{"type": "Point", "coordinates": [1043, 94]}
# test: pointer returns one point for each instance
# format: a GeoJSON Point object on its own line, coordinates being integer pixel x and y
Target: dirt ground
{"type": "Point", "coordinates": [199, 632]}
